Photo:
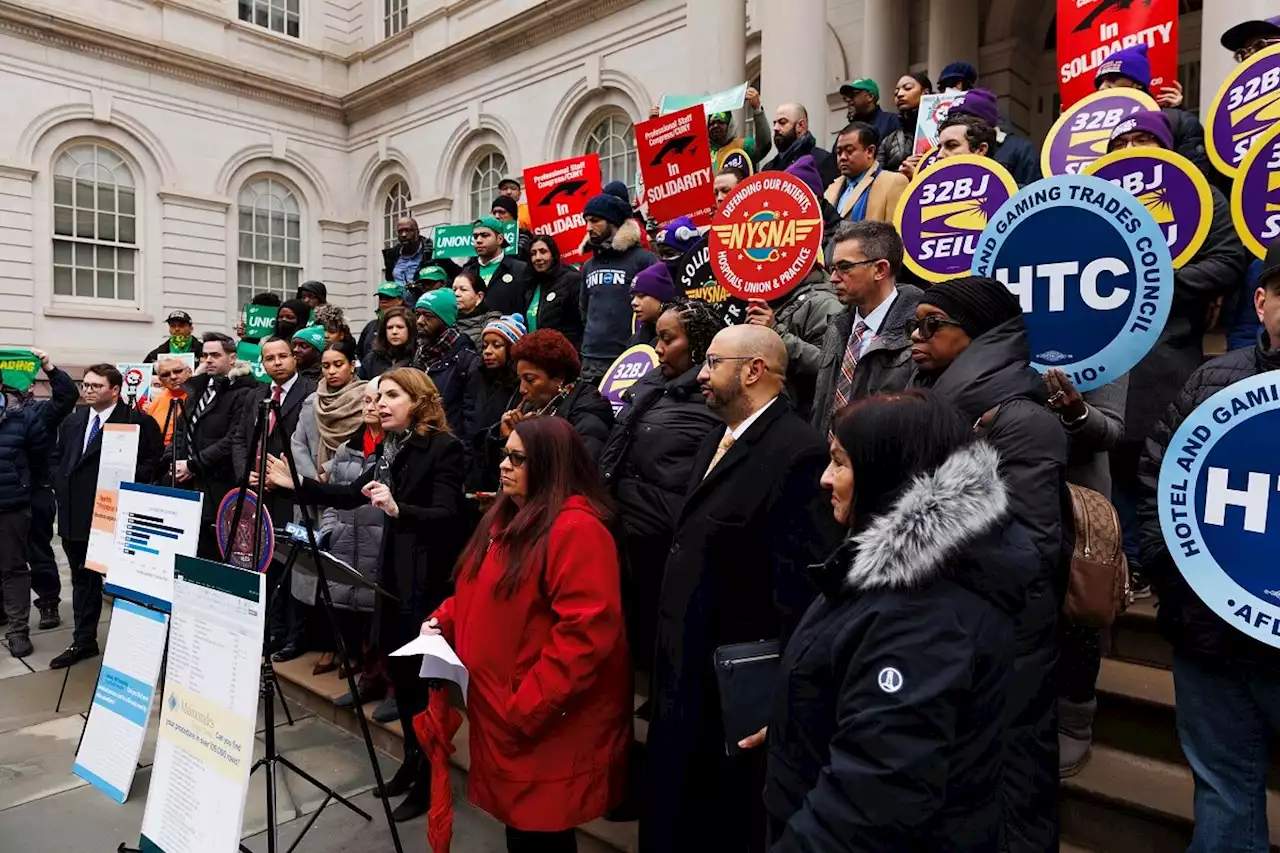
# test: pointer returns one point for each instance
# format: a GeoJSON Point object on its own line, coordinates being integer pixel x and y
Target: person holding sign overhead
{"type": "Point", "coordinates": [969, 344]}
{"type": "Point", "coordinates": [75, 480]}
{"type": "Point", "coordinates": [1226, 684]}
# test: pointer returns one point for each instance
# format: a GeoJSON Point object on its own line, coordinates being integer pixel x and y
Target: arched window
{"type": "Point", "coordinates": [614, 139]}
{"type": "Point", "coordinates": [485, 177]}
{"type": "Point", "coordinates": [95, 225]}
{"type": "Point", "coordinates": [270, 239]}
{"type": "Point", "coordinates": [394, 208]}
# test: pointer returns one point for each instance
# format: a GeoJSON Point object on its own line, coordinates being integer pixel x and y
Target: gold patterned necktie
{"type": "Point", "coordinates": [721, 450]}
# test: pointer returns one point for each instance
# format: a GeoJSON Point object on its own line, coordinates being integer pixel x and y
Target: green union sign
{"type": "Point", "coordinates": [454, 241]}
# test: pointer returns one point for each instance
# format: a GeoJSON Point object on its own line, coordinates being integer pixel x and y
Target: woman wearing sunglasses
{"type": "Point", "coordinates": [417, 483]}
{"type": "Point", "coordinates": [537, 620]}
{"type": "Point", "coordinates": [969, 344]}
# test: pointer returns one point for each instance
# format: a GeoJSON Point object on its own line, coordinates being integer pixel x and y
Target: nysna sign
{"type": "Point", "coordinates": [1219, 504]}
{"type": "Point", "coordinates": [1091, 269]}
{"type": "Point", "coordinates": [766, 236]}
{"type": "Point", "coordinates": [944, 211]}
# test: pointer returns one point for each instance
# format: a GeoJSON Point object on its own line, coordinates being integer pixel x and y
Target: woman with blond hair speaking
{"type": "Point", "coordinates": [417, 482]}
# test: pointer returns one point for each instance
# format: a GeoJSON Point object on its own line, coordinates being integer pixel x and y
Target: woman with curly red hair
{"type": "Point", "coordinates": [547, 366]}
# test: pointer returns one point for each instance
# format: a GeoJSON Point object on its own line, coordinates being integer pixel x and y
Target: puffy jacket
{"type": "Point", "coordinates": [891, 698]}
{"type": "Point", "coordinates": [899, 145]}
{"type": "Point", "coordinates": [886, 365]}
{"type": "Point", "coordinates": [1183, 618]}
{"type": "Point", "coordinates": [801, 319]}
{"type": "Point", "coordinates": [472, 325]}
{"type": "Point", "coordinates": [559, 292]}
{"type": "Point", "coordinates": [27, 426]}
{"type": "Point", "coordinates": [605, 299]}
{"type": "Point", "coordinates": [452, 375]}
{"type": "Point", "coordinates": [648, 461]}
{"type": "Point", "coordinates": [495, 394]}
{"type": "Point", "coordinates": [591, 415]}
{"type": "Point", "coordinates": [1216, 270]}
{"type": "Point", "coordinates": [380, 361]}
{"type": "Point", "coordinates": [1019, 156]}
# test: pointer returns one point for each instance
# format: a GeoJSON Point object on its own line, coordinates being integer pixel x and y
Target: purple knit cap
{"type": "Point", "coordinates": [1130, 62]}
{"type": "Point", "coordinates": [980, 103]}
{"type": "Point", "coordinates": [1150, 122]}
{"type": "Point", "coordinates": [655, 281]}
{"type": "Point", "coordinates": [806, 169]}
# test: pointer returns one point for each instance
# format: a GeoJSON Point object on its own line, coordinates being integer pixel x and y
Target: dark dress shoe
{"type": "Point", "coordinates": [20, 645]}
{"type": "Point", "coordinates": [400, 783]}
{"type": "Point", "coordinates": [369, 690]}
{"type": "Point", "coordinates": [72, 655]}
{"type": "Point", "coordinates": [414, 805]}
{"type": "Point", "coordinates": [387, 711]}
{"type": "Point", "coordinates": [49, 617]}
{"type": "Point", "coordinates": [288, 653]}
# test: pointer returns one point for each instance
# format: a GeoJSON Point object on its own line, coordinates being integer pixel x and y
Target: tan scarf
{"type": "Point", "coordinates": [338, 414]}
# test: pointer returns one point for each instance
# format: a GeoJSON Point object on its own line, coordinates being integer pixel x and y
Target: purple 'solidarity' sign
{"type": "Point", "coordinates": [1255, 194]}
{"type": "Point", "coordinates": [944, 211]}
{"type": "Point", "coordinates": [1172, 189]}
{"type": "Point", "coordinates": [1247, 105]}
{"type": "Point", "coordinates": [1082, 132]}
{"type": "Point", "coordinates": [629, 368]}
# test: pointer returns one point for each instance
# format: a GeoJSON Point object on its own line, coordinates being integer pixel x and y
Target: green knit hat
{"type": "Point", "coordinates": [440, 302]}
{"type": "Point", "coordinates": [313, 335]}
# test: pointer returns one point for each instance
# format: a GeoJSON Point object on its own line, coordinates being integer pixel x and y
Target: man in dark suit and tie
{"type": "Point", "coordinates": [75, 480]}
{"type": "Point", "coordinates": [289, 389]}
{"type": "Point", "coordinates": [754, 519]}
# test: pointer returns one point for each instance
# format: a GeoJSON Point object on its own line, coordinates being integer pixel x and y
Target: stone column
{"type": "Point", "coordinates": [793, 58]}
{"type": "Point", "coordinates": [1215, 62]}
{"type": "Point", "coordinates": [717, 33]}
{"type": "Point", "coordinates": [953, 34]}
{"type": "Point", "coordinates": [884, 46]}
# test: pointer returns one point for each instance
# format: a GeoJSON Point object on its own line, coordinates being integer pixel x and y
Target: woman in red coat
{"type": "Point", "coordinates": [537, 620]}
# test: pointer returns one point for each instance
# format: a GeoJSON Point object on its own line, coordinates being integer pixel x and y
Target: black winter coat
{"type": "Point", "coordinates": [1216, 270]}
{"type": "Point", "coordinates": [559, 292]}
{"type": "Point", "coordinates": [1183, 618]}
{"type": "Point", "coordinates": [590, 414]}
{"type": "Point", "coordinates": [510, 288]}
{"type": "Point", "coordinates": [391, 254]}
{"type": "Point", "coordinates": [452, 376]}
{"type": "Point", "coordinates": [648, 461]}
{"type": "Point", "coordinates": [887, 721]}
{"type": "Point", "coordinates": [886, 365]}
{"type": "Point", "coordinates": [495, 396]}
{"type": "Point", "coordinates": [379, 362]}
{"type": "Point", "coordinates": [420, 546]}
{"type": "Point", "coordinates": [25, 429]}
{"type": "Point", "coordinates": [197, 349]}
{"type": "Point", "coordinates": [1020, 157]}
{"type": "Point", "coordinates": [207, 446]}
{"type": "Point", "coordinates": [605, 298]}
{"type": "Point", "coordinates": [823, 159]}
{"type": "Point", "coordinates": [279, 441]}
{"type": "Point", "coordinates": [75, 466]}
{"type": "Point", "coordinates": [736, 573]}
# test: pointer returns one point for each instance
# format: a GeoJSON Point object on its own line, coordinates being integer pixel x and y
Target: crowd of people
{"type": "Point", "coordinates": [865, 470]}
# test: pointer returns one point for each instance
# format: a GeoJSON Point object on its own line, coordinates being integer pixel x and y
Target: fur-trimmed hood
{"type": "Point", "coordinates": [938, 516]}
{"type": "Point", "coordinates": [625, 238]}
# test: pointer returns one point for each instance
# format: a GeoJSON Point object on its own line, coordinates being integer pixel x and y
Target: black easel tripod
{"type": "Point", "coordinates": [272, 756]}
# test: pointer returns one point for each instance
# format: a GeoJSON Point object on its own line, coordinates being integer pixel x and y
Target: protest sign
{"type": "Point", "coordinates": [1172, 188]}
{"type": "Point", "coordinates": [251, 354]}
{"type": "Point", "coordinates": [676, 166]}
{"type": "Point", "coordinates": [695, 278]}
{"type": "Point", "coordinates": [135, 390]}
{"type": "Point", "coordinates": [117, 463]}
{"type": "Point", "coordinates": [933, 111]}
{"type": "Point", "coordinates": [720, 102]}
{"type": "Point", "coordinates": [154, 524]}
{"type": "Point", "coordinates": [766, 236]}
{"type": "Point", "coordinates": [625, 371]}
{"type": "Point", "coordinates": [1218, 503]}
{"type": "Point", "coordinates": [1255, 194]}
{"type": "Point", "coordinates": [1081, 134]}
{"type": "Point", "coordinates": [454, 241]}
{"type": "Point", "coordinates": [259, 321]}
{"type": "Point", "coordinates": [209, 708]}
{"type": "Point", "coordinates": [928, 161]}
{"type": "Point", "coordinates": [1247, 105]}
{"type": "Point", "coordinates": [117, 726]}
{"type": "Point", "coordinates": [18, 368]}
{"type": "Point", "coordinates": [1091, 30]}
{"type": "Point", "coordinates": [734, 158]}
{"type": "Point", "coordinates": [1091, 269]}
{"type": "Point", "coordinates": [944, 211]}
{"type": "Point", "coordinates": [558, 193]}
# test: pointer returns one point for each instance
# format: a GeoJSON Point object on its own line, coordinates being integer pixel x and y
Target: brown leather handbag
{"type": "Point", "coordinates": [1098, 588]}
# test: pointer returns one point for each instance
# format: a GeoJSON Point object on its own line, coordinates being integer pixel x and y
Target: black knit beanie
{"type": "Point", "coordinates": [977, 304]}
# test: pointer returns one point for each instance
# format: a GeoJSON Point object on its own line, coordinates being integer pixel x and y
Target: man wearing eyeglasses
{"type": "Point", "coordinates": [1249, 37]}
{"type": "Point", "coordinates": [754, 518]}
{"type": "Point", "coordinates": [163, 407]}
{"type": "Point", "coordinates": [75, 480]}
{"type": "Point", "coordinates": [866, 350]}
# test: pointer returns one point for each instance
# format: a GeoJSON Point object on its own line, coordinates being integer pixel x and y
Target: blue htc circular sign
{"type": "Point", "coordinates": [1092, 270]}
{"type": "Point", "coordinates": [1220, 508]}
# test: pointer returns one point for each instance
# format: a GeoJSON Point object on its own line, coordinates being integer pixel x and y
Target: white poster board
{"type": "Point", "coordinates": [112, 742]}
{"type": "Point", "coordinates": [209, 710]}
{"type": "Point", "coordinates": [117, 463]}
{"type": "Point", "coordinates": [154, 524]}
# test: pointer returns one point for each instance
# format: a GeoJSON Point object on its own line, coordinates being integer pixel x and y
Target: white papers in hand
{"type": "Point", "coordinates": [438, 659]}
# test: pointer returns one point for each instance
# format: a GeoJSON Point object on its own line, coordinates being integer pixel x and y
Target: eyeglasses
{"type": "Point", "coordinates": [713, 361]}
{"type": "Point", "coordinates": [929, 326]}
{"type": "Point", "coordinates": [93, 386]}
{"type": "Point", "coordinates": [846, 267]}
{"type": "Point", "coordinates": [516, 458]}
{"type": "Point", "coordinates": [171, 374]}
{"type": "Point", "coordinates": [1253, 47]}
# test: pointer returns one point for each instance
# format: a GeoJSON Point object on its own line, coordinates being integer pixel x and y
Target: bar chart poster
{"type": "Point", "coordinates": [154, 525]}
